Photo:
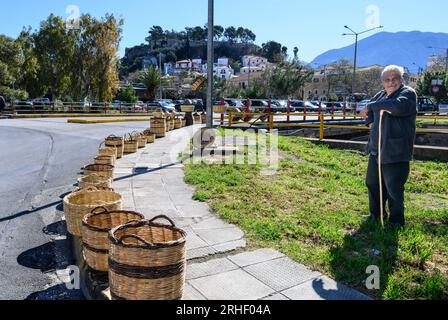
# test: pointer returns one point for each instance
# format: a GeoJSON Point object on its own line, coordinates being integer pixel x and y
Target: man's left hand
{"type": "Point", "coordinates": [364, 113]}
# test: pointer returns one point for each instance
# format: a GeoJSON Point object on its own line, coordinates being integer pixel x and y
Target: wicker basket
{"type": "Point", "coordinates": [187, 108]}
{"type": "Point", "coordinates": [105, 160]}
{"type": "Point", "coordinates": [219, 109]}
{"type": "Point", "coordinates": [115, 142]}
{"type": "Point", "coordinates": [95, 234]}
{"type": "Point", "coordinates": [150, 137]}
{"type": "Point", "coordinates": [177, 123]}
{"type": "Point", "coordinates": [197, 118]}
{"type": "Point", "coordinates": [94, 180]}
{"type": "Point", "coordinates": [80, 203]}
{"type": "Point", "coordinates": [147, 261]}
{"type": "Point", "coordinates": [130, 145]}
{"type": "Point", "coordinates": [107, 151]}
{"type": "Point", "coordinates": [141, 139]}
{"type": "Point", "coordinates": [158, 127]}
{"type": "Point", "coordinates": [159, 114]}
{"type": "Point", "coordinates": [105, 170]}
{"type": "Point", "coordinates": [184, 123]}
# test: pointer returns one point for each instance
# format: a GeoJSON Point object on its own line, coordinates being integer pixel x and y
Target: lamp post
{"type": "Point", "coordinates": [210, 64]}
{"type": "Point", "coordinates": [446, 58]}
{"type": "Point", "coordinates": [356, 34]}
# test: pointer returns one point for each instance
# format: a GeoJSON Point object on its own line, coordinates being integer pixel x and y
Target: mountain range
{"type": "Point", "coordinates": [409, 49]}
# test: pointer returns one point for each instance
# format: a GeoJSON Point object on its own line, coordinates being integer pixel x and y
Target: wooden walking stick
{"type": "Point", "coordinates": [379, 166]}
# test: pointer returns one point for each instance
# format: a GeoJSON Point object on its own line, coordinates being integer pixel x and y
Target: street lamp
{"type": "Point", "coordinates": [446, 61]}
{"type": "Point", "coordinates": [211, 27]}
{"type": "Point", "coordinates": [356, 34]}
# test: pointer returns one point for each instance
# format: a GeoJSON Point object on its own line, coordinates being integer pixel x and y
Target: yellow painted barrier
{"type": "Point", "coordinates": [81, 121]}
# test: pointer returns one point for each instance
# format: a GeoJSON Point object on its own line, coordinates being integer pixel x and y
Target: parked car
{"type": "Point", "coordinates": [443, 106]}
{"type": "Point", "coordinates": [425, 104]}
{"type": "Point", "coordinates": [323, 106]}
{"type": "Point", "coordinates": [42, 102]}
{"type": "Point", "coordinates": [166, 107]}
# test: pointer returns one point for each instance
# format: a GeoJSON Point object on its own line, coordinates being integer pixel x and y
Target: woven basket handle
{"type": "Point", "coordinates": [90, 189]}
{"type": "Point", "coordinates": [163, 217]}
{"type": "Point", "coordinates": [94, 211]}
{"type": "Point", "coordinates": [135, 237]}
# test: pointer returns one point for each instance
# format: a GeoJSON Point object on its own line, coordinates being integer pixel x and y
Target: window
{"type": "Point", "coordinates": [316, 80]}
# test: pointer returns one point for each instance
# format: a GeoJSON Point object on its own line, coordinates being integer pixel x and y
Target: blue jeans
{"type": "Point", "coordinates": [394, 178]}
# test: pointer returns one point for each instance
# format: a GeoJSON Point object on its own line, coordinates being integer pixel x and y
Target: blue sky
{"type": "Point", "coordinates": [313, 26]}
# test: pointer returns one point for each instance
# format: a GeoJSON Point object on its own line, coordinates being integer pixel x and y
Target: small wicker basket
{"type": "Point", "coordinates": [130, 145]}
{"type": "Point", "coordinates": [147, 261]}
{"type": "Point", "coordinates": [95, 234]}
{"type": "Point", "coordinates": [150, 137]}
{"type": "Point", "coordinates": [141, 139]}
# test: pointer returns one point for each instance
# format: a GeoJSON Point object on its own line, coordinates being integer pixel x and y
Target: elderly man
{"type": "Point", "coordinates": [397, 144]}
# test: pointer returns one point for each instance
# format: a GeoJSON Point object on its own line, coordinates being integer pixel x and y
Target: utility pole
{"type": "Point", "coordinates": [210, 64]}
{"type": "Point", "coordinates": [160, 75]}
{"type": "Point", "coordinates": [356, 34]}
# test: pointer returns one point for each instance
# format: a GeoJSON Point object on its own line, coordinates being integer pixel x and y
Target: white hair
{"type": "Point", "coordinates": [393, 68]}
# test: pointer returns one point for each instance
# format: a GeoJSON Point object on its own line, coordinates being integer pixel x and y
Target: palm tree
{"type": "Point", "coordinates": [151, 79]}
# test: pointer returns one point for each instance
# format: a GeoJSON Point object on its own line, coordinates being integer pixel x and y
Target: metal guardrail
{"type": "Point", "coordinates": [321, 118]}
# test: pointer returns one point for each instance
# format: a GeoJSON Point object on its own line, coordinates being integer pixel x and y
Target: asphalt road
{"type": "Point", "coordinates": [40, 160]}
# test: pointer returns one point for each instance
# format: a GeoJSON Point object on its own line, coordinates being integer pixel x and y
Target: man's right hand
{"type": "Point", "coordinates": [364, 113]}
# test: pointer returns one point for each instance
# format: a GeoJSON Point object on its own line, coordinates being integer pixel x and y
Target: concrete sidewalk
{"type": "Point", "coordinates": [219, 268]}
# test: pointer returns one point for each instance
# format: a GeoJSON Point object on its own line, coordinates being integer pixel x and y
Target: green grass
{"type": "Point", "coordinates": [312, 210]}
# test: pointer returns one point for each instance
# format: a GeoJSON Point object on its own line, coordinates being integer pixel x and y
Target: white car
{"type": "Point", "coordinates": [443, 106]}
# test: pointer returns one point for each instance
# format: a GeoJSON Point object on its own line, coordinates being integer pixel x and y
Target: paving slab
{"type": "Point", "coordinates": [232, 285]}
{"type": "Point", "coordinates": [219, 236]}
{"type": "Point", "coordinates": [191, 294]}
{"type": "Point", "coordinates": [323, 288]}
{"type": "Point", "coordinates": [254, 257]}
{"type": "Point", "coordinates": [282, 273]}
{"type": "Point", "coordinates": [209, 268]}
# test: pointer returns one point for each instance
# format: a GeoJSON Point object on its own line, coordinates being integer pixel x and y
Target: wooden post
{"type": "Point", "coordinates": [321, 133]}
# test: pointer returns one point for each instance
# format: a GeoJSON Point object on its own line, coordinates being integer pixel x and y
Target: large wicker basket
{"type": "Point", "coordinates": [159, 127]}
{"type": "Point", "coordinates": [150, 137]}
{"type": "Point", "coordinates": [105, 170]}
{"type": "Point", "coordinates": [115, 142]}
{"type": "Point", "coordinates": [187, 108]}
{"type": "Point", "coordinates": [220, 109]}
{"type": "Point", "coordinates": [95, 234]}
{"type": "Point", "coordinates": [147, 261]}
{"type": "Point", "coordinates": [80, 203]}
{"type": "Point", "coordinates": [130, 145]}
{"type": "Point", "coordinates": [96, 181]}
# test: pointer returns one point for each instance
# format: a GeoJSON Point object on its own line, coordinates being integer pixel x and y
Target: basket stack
{"type": "Point", "coordinates": [80, 203]}
{"type": "Point", "coordinates": [147, 261]}
{"type": "Point", "coordinates": [117, 143]}
{"type": "Point", "coordinates": [130, 145]}
{"type": "Point", "coordinates": [159, 125]}
{"type": "Point", "coordinates": [95, 234]}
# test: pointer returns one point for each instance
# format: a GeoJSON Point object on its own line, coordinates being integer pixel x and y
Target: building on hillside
{"type": "Point", "coordinates": [253, 61]}
{"type": "Point", "coordinates": [244, 80]}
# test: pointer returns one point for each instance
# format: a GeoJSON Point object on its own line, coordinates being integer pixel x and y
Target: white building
{"type": "Point", "coordinates": [184, 65]}
{"type": "Point", "coordinates": [254, 61]}
{"type": "Point", "coordinates": [246, 70]}
{"type": "Point", "coordinates": [223, 62]}
{"type": "Point", "coordinates": [223, 72]}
